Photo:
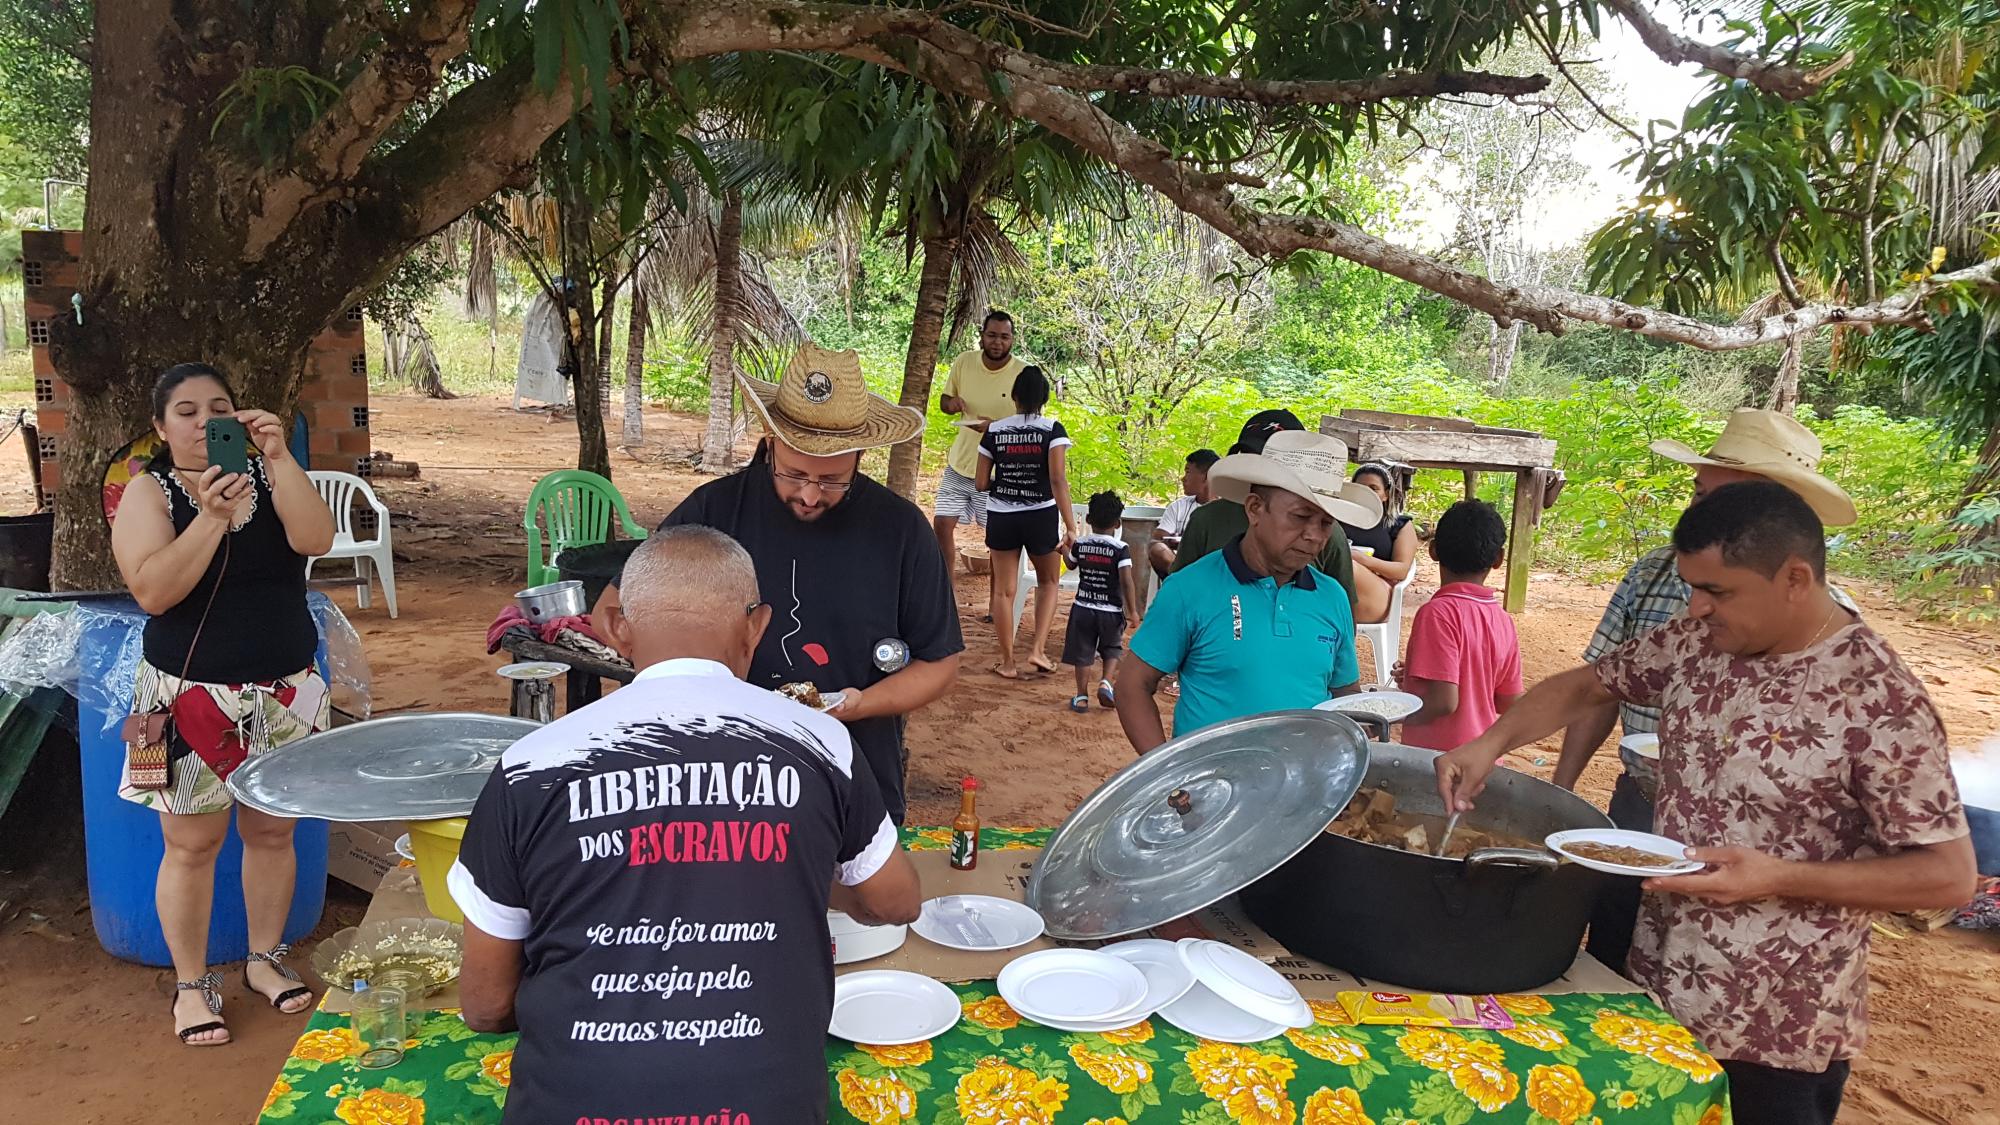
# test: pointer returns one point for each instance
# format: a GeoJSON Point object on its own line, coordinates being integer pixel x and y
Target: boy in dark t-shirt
{"type": "Point", "coordinates": [1106, 601]}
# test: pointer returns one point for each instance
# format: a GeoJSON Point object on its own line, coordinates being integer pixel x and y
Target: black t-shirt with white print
{"type": "Point", "coordinates": [664, 855]}
{"type": "Point", "coordinates": [1098, 559]}
{"type": "Point", "coordinates": [1019, 446]}
{"type": "Point", "coordinates": [868, 571]}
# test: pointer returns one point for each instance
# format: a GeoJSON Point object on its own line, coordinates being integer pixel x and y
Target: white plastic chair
{"type": "Point", "coordinates": [1385, 636]}
{"type": "Point", "coordinates": [339, 490]}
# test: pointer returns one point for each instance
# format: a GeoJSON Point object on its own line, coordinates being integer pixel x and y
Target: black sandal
{"type": "Point", "coordinates": [276, 959]}
{"type": "Point", "coordinates": [210, 987]}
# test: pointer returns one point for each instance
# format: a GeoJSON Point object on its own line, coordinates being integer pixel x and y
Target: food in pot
{"type": "Point", "coordinates": [1618, 854]}
{"type": "Point", "coordinates": [1371, 818]}
{"type": "Point", "coordinates": [805, 693]}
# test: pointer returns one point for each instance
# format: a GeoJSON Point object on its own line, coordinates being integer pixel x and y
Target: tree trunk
{"type": "Point", "coordinates": [1785, 387]}
{"type": "Point", "coordinates": [1501, 345]}
{"type": "Point", "coordinates": [635, 369]}
{"type": "Point", "coordinates": [593, 454]}
{"type": "Point", "coordinates": [392, 353]}
{"type": "Point", "coordinates": [420, 364]}
{"type": "Point", "coordinates": [606, 330]}
{"type": "Point", "coordinates": [718, 454]}
{"type": "Point", "coordinates": [920, 363]}
{"type": "Point", "coordinates": [4, 321]}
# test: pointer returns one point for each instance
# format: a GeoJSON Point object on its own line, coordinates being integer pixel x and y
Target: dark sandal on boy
{"type": "Point", "coordinates": [276, 959]}
{"type": "Point", "coordinates": [210, 987]}
{"type": "Point", "coordinates": [1080, 704]}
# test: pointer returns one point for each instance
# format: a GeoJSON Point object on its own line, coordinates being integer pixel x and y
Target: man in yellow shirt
{"type": "Point", "coordinates": [980, 388]}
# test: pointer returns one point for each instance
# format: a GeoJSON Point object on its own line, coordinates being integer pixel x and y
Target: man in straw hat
{"type": "Point", "coordinates": [1755, 445]}
{"type": "Point", "coordinates": [861, 600]}
{"type": "Point", "coordinates": [1801, 763]}
{"type": "Point", "coordinates": [1255, 626]}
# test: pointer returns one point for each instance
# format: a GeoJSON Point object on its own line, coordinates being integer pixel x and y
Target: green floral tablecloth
{"type": "Point", "coordinates": [1607, 1059]}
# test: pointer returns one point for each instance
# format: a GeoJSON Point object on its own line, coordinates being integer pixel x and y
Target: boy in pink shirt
{"type": "Point", "coordinates": [1463, 659]}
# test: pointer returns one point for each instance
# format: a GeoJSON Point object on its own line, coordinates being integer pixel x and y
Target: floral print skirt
{"type": "Point", "coordinates": [217, 727]}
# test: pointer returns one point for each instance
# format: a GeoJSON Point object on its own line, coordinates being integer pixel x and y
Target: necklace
{"type": "Point", "coordinates": [1821, 631]}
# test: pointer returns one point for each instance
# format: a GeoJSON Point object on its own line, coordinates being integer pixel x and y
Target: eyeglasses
{"type": "Point", "coordinates": [800, 480]}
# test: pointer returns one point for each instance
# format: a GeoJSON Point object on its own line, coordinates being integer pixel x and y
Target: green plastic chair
{"type": "Point", "coordinates": [578, 507]}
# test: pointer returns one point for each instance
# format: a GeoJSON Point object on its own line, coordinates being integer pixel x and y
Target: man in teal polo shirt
{"type": "Point", "coordinates": [1254, 627]}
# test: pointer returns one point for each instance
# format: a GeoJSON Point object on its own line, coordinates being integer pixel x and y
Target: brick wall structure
{"type": "Point", "coordinates": [333, 400]}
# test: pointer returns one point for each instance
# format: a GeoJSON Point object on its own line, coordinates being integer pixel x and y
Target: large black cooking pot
{"type": "Point", "coordinates": [1501, 920]}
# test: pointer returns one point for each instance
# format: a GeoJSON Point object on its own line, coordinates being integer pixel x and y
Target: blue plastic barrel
{"type": "Point", "coordinates": [122, 839]}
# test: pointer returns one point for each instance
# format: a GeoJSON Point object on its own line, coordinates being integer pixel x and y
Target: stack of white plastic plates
{"type": "Point", "coordinates": [1075, 989]}
{"type": "Point", "coordinates": [1235, 998]}
{"type": "Point", "coordinates": [887, 1008]}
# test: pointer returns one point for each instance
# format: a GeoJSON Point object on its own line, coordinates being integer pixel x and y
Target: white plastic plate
{"type": "Point", "coordinates": [1167, 976]}
{"type": "Point", "coordinates": [980, 923]}
{"type": "Point", "coordinates": [1246, 982]}
{"type": "Point", "coordinates": [1074, 986]}
{"type": "Point", "coordinates": [1203, 1014]}
{"type": "Point", "coordinates": [888, 1008]}
{"type": "Point", "coordinates": [1560, 843]}
{"type": "Point", "coordinates": [1644, 745]}
{"type": "Point", "coordinates": [1391, 705]}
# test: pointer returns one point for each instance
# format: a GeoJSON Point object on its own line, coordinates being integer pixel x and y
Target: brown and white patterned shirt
{"type": "Point", "coordinates": [1831, 753]}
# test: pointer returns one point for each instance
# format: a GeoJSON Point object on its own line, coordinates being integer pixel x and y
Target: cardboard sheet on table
{"type": "Point", "coordinates": [398, 896]}
{"type": "Point", "coordinates": [1002, 874]}
{"type": "Point", "coordinates": [1316, 981]}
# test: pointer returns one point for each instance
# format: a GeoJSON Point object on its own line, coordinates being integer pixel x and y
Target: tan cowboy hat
{"type": "Point", "coordinates": [822, 407]}
{"type": "Point", "coordinates": [1306, 464]}
{"type": "Point", "coordinates": [1776, 446]}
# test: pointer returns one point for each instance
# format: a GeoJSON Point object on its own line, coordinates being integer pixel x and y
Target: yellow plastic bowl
{"type": "Point", "coordinates": [435, 843]}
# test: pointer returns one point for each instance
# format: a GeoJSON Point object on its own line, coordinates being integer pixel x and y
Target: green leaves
{"type": "Point", "coordinates": [271, 106]}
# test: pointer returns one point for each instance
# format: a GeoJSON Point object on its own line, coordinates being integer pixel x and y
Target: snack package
{"type": "Point", "coordinates": [1425, 1009]}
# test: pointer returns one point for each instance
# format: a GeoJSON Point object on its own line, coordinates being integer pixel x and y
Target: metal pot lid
{"type": "Point", "coordinates": [405, 767]}
{"type": "Point", "coordinates": [1195, 821]}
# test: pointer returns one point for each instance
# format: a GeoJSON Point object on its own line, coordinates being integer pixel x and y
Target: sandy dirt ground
{"type": "Point", "coordinates": [85, 1038]}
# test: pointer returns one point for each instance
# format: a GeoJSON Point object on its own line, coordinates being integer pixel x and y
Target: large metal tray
{"type": "Point", "coordinates": [1195, 821]}
{"type": "Point", "coordinates": [405, 767]}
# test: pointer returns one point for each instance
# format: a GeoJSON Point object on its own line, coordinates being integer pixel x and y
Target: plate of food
{"type": "Point", "coordinates": [1621, 852]}
{"type": "Point", "coordinates": [810, 695]}
{"type": "Point", "coordinates": [1391, 705]}
{"type": "Point", "coordinates": [426, 947]}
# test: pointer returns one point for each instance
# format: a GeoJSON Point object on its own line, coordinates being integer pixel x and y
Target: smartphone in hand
{"type": "Point", "coordinates": [228, 445]}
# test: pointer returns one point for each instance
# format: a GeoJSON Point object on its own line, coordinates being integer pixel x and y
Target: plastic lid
{"type": "Point", "coordinates": [1195, 821]}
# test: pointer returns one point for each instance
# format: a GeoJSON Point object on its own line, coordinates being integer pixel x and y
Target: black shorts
{"type": "Point", "coordinates": [1037, 531]}
{"type": "Point", "coordinates": [1094, 634]}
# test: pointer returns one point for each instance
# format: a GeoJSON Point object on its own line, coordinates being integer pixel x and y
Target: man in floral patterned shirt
{"type": "Point", "coordinates": [1807, 766]}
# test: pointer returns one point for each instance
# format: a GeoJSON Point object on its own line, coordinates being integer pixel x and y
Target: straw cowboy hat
{"type": "Point", "coordinates": [822, 407]}
{"type": "Point", "coordinates": [1775, 446]}
{"type": "Point", "coordinates": [1309, 465]}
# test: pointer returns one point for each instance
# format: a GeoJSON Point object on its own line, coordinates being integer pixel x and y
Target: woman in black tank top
{"type": "Point", "coordinates": [218, 561]}
{"type": "Point", "coordinates": [1394, 540]}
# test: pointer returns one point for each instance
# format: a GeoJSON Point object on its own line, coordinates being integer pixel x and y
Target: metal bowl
{"type": "Point", "coordinates": [549, 602]}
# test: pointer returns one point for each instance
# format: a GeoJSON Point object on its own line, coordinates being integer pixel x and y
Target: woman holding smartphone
{"type": "Point", "coordinates": [217, 559]}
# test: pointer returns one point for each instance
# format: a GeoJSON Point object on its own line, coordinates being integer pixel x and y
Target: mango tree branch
{"type": "Point", "coordinates": [1267, 235]}
{"type": "Point", "coordinates": [333, 149]}
{"type": "Point", "coordinates": [1155, 83]}
{"type": "Point", "coordinates": [1783, 79]}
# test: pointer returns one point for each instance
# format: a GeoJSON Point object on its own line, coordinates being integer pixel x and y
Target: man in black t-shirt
{"type": "Point", "coordinates": [862, 601]}
{"type": "Point", "coordinates": [645, 881]}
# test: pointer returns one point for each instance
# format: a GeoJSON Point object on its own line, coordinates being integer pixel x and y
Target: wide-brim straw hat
{"type": "Point", "coordinates": [1308, 465]}
{"type": "Point", "coordinates": [822, 406]}
{"type": "Point", "coordinates": [1775, 446]}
